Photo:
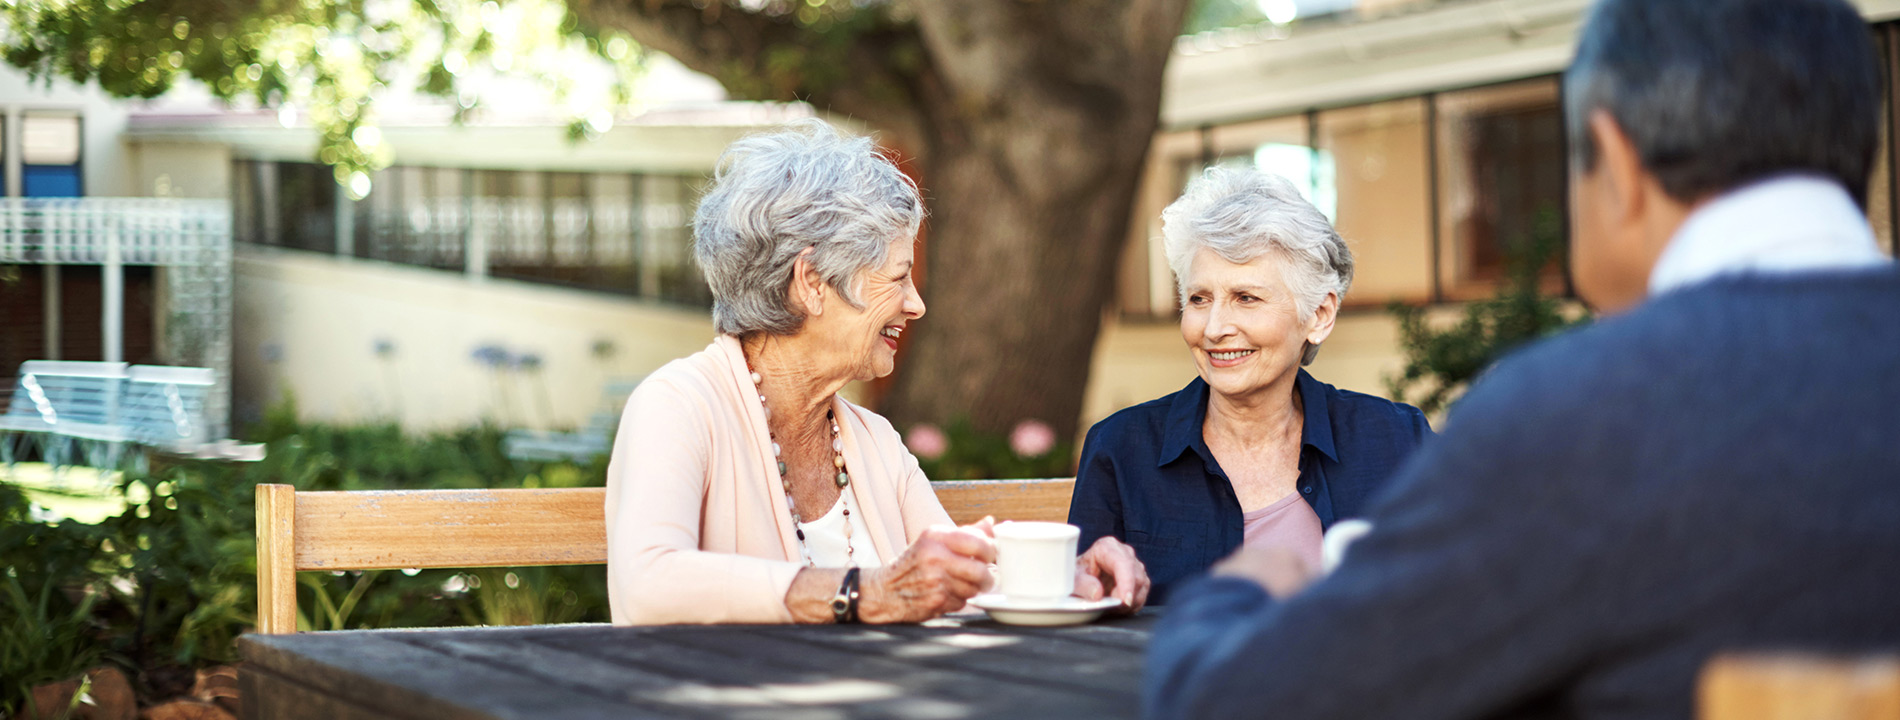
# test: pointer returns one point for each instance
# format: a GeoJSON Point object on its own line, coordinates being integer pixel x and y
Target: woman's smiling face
{"type": "Point", "coordinates": [1242, 324]}
{"type": "Point", "coordinates": [890, 298]}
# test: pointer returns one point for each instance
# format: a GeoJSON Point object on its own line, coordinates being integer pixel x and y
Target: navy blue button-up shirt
{"type": "Point", "coordinates": [1148, 479]}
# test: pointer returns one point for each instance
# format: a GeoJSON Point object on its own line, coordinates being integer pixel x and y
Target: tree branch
{"type": "Point", "coordinates": [712, 40]}
{"type": "Point", "coordinates": [852, 68]}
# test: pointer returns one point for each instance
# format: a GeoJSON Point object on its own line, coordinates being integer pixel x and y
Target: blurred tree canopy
{"type": "Point", "coordinates": [1027, 123]}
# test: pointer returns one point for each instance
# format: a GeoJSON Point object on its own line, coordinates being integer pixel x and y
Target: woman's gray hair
{"type": "Point", "coordinates": [775, 194]}
{"type": "Point", "coordinates": [1242, 214]}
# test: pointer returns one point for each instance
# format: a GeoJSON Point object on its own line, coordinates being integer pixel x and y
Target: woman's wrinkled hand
{"type": "Point", "coordinates": [1110, 568]}
{"type": "Point", "coordinates": [935, 575]}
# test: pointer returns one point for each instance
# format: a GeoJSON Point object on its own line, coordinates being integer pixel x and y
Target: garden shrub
{"type": "Point", "coordinates": [165, 587]}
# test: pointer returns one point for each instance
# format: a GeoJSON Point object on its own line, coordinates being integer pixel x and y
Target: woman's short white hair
{"type": "Point", "coordinates": [775, 194]}
{"type": "Point", "coordinates": [1242, 214]}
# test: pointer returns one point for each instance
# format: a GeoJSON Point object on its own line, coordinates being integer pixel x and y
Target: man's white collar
{"type": "Point", "coordinates": [1786, 224]}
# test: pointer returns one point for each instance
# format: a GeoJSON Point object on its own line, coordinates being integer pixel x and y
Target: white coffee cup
{"type": "Point", "coordinates": [1035, 561]}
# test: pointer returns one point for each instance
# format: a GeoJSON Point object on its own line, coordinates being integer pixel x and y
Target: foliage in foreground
{"type": "Point", "coordinates": [1441, 362]}
{"type": "Point", "coordinates": [166, 587]}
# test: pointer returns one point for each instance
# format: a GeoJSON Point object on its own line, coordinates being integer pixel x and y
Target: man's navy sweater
{"type": "Point", "coordinates": [1717, 470]}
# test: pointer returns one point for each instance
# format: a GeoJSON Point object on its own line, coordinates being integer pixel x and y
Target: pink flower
{"type": "Point", "coordinates": [1032, 438]}
{"type": "Point", "coordinates": [927, 441]}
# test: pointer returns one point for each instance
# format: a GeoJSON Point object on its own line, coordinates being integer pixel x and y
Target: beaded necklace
{"type": "Point", "coordinates": [843, 480]}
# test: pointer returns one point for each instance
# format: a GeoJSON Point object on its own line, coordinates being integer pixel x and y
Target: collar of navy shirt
{"type": "Point", "coordinates": [1189, 409]}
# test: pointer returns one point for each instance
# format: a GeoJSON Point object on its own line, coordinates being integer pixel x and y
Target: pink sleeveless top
{"type": "Point", "coordinates": [1289, 523]}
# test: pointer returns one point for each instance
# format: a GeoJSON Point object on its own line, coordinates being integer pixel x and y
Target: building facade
{"type": "Point", "coordinates": [500, 272]}
{"type": "Point", "coordinates": [1431, 133]}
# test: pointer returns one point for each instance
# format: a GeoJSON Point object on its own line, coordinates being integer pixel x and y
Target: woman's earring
{"type": "Point", "coordinates": [1308, 353]}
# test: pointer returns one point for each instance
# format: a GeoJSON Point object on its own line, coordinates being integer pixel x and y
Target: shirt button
{"type": "Point", "coordinates": [1308, 489]}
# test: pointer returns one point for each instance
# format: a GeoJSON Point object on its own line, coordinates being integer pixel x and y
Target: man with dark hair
{"type": "Point", "coordinates": [1714, 467]}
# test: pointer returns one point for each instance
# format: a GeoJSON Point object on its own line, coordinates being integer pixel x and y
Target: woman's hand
{"type": "Point", "coordinates": [1111, 568]}
{"type": "Point", "coordinates": [935, 575]}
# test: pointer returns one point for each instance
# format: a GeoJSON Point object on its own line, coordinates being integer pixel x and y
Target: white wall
{"type": "Point", "coordinates": [175, 169]}
{"type": "Point", "coordinates": [309, 324]}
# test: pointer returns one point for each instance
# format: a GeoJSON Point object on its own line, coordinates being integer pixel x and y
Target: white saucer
{"type": "Point", "coordinates": [1070, 611]}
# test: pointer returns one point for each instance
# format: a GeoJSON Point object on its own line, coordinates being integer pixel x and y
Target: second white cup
{"type": "Point", "coordinates": [1035, 561]}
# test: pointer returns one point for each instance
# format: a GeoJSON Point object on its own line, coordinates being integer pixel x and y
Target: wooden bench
{"type": "Point", "coordinates": [1799, 687]}
{"type": "Point", "coordinates": [389, 529]}
{"type": "Point", "coordinates": [969, 500]}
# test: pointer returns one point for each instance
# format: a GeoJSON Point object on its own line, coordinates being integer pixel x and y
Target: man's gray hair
{"type": "Point", "coordinates": [1242, 214]}
{"type": "Point", "coordinates": [1715, 94]}
{"type": "Point", "coordinates": [775, 194]}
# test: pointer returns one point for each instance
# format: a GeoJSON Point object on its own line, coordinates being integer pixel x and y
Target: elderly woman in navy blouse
{"type": "Point", "coordinates": [1255, 451]}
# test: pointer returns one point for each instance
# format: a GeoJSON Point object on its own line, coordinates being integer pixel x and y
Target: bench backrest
{"type": "Point", "coordinates": [1799, 687]}
{"type": "Point", "coordinates": [67, 397]}
{"type": "Point", "coordinates": [416, 529]}
{"type": "Point", "coordinates": [150, 404]}
{"type": "Point", "coordinates": [165, 406]}
{"type": "Point", "coordinates": [491, 528]}
{"type": "Point", "coordinates": [1040, 499]}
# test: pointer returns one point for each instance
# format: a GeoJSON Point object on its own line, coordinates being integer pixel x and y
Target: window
{"type": "Point", "coordinates": [436, 216]}
{"type": "Point", "coordinates": [414, 216]}
{"type": "Point", "coordinates": [1379, 179]}
{"type": "Point", "coordinates": [1501, 179]}
{"type": "Point", "coordinates": [1283, 146]}
{"type": "Point", "coordinates": [1366, 167]}
{"type": "Point", "coordinates": [1145, 285]}
{"type": "Point", "coordinates": [49, 154]}
{"type": "Point", "coordinates": [668, 215]}
{"type": "Point", "coordinates": [300, 205]}
{"type": "Point", "coordinates": [611, 232]}
{"type": "Point", "coordinates": [616, 249]}
{"type": "Point", "coordinates": [244, 205]}
{"type": "Point", "coordinates": [1144, 288]}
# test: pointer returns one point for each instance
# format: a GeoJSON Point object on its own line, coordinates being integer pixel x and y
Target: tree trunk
{"type": "Point", "coordinates": [1020, 263]}
{"type": "Point", "coordinates": [1034, 141]}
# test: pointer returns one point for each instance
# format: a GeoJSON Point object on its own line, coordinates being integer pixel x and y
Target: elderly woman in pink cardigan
{"type": "Point", "coordinates": [742, 488]}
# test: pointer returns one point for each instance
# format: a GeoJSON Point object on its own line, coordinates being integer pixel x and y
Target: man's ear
{"type": "Point", "coordinates": [808, 289]}
{"type": "Point", "coordinates": [1621, 165]}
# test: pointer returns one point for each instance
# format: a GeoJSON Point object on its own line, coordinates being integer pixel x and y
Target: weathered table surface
{"type": "Point", "coordinates": [958, 667]}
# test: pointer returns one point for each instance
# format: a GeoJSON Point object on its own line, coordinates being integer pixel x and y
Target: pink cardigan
{"type": "Point", "coordinates": [697, 526]}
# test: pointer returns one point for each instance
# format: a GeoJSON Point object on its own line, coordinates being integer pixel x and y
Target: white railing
{"type": "Point", "coordinates": [190, 238]}
{"type": "Point", "coordinates": [85, 231]}
{"type": "Point", "coordinates": [516, 230]}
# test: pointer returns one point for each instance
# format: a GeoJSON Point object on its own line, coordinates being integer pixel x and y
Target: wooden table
{"type": "Point", "coordinates": [958, 667]}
